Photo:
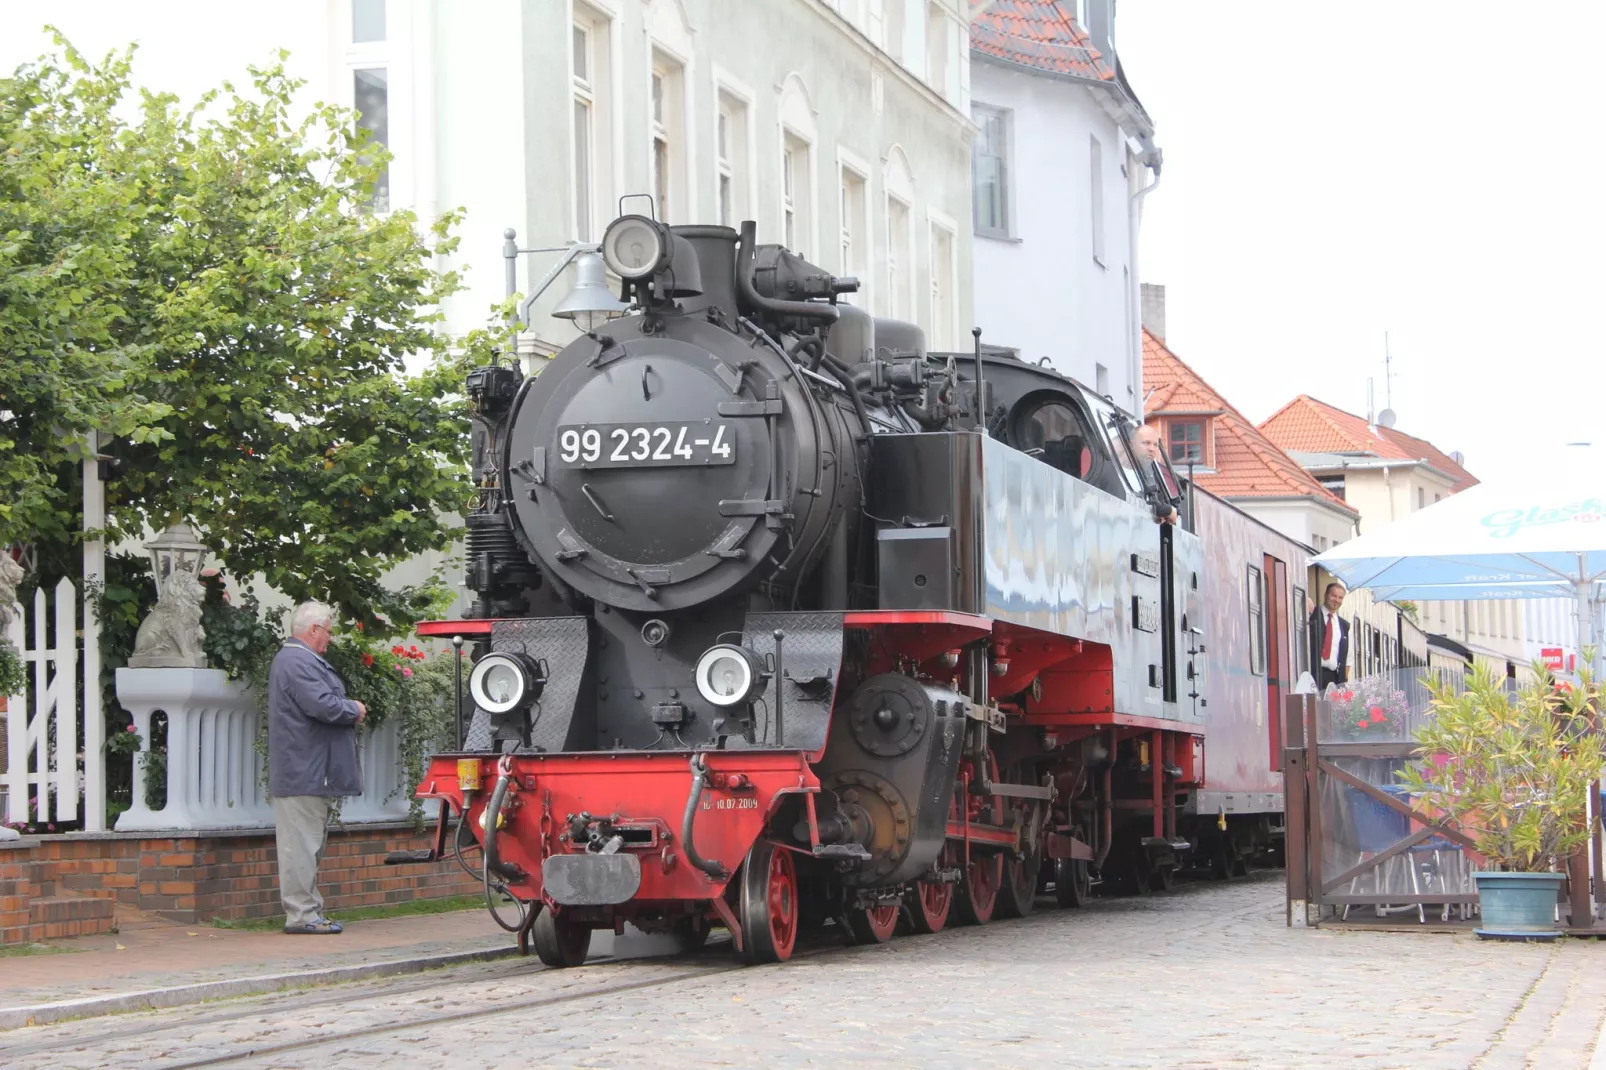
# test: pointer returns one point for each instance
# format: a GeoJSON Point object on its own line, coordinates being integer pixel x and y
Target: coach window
{"type": "Point", "coordinates": [1256, 592]}
{"type": "Point", "coordinates": [1301, 619]}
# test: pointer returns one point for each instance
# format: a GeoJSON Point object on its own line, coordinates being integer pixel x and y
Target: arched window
{"type": "Point", "coordinates": [798, 137]}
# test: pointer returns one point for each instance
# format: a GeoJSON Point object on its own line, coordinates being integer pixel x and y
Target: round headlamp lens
{"type": "Point", "coordinates": [725, 676]}
{"type": "Point", "coordinates": [498, 683]}
{"type": "Point", "coordinates": [633, 247]}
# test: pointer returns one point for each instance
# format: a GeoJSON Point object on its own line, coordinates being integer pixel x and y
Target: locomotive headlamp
{"type": "Point", "coordinates": [503, 681]}
{"type": "Point", "coordinates": [635, 247]}
{"type": "Point", "coordinates": [729, 675]}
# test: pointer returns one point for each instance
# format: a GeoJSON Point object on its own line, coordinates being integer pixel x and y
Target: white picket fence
{"type": "Point", "coordinates": [46, 736]}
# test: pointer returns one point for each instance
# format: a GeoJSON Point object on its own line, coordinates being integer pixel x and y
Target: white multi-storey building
{"type": "Point", "coordinates": [1064, 155]}
{"type": "Point", "coordinates": [841, 126]}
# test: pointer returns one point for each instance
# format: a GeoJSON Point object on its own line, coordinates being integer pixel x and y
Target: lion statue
{"type": "Point", "coordinates": [170, 638]}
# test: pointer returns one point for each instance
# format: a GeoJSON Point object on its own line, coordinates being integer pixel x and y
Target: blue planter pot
{"type": "Point", "coordinates": [1518, 906]}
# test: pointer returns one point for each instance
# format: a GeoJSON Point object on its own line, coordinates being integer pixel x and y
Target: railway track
{"type": "Point", "coordinates": [381, 1008]}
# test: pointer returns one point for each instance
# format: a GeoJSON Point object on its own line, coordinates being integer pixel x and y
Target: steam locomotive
{"type": "Point", "coordinates": [783, 620]}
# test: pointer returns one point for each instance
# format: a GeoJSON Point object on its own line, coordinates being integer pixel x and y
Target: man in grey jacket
{"type": "Point", "coordinates": [312, 760]}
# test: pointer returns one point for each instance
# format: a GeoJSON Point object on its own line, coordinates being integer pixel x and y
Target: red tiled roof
{"type": "Point", "coordinates": [1247, 464]}
{"type": "Point", "coordinates": [1311, 426]}
{"type": "Point", "coordinates": [1041, 34]}
{"type": "Point", "coordinates": [1437, 459]}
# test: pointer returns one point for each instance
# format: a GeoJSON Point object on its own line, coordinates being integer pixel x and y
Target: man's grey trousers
{"type": "Point", "coordinates": [300, 824]}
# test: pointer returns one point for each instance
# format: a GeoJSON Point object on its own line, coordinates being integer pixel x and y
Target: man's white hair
{"type": "Point", "coordinates": [309, 614]}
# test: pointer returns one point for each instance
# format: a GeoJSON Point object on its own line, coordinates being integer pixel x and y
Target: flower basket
{"type": "Point", "coordinates": [1370, 708]}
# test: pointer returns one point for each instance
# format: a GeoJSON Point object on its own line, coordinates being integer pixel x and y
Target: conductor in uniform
{"type": "Point", "coordinates": [1329, 639]}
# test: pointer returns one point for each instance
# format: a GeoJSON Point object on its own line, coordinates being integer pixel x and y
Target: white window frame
{"type": "Point", "coordinates": [940, 19]}
{"type": "Point", "coordinates": [898, 185]}
{"type": "Point", "coordinates": [744, 179]}
{"type": "Point", "coordinates": [859, 232]}
{"type": "Point", "coordinates": [1005, 121]}
{"type": "Point", "coordinates": [795, 122]}
{"type": "Point", "coordinates": [669, 44]}
{"type": "Point", "coordinates": [393, 55]}
{"type": "Point", "coordinates": [584, 95]}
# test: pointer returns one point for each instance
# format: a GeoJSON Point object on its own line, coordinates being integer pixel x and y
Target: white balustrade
{"type": "Point", "coordinates": [214, 772]}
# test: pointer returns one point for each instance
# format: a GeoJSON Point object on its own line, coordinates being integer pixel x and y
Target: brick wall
{"type": "Point", "coordinates": [54, 886]}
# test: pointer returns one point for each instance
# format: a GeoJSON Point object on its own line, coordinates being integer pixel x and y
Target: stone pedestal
{"type": "Point", "coordinates": [213, 772]}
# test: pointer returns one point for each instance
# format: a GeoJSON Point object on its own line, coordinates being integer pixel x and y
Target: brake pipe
{"type": "Point", "coordinates": [699, 776]}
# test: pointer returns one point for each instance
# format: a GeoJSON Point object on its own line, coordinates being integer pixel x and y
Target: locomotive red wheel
{"type": "Point", "coordinates": [873, 925]}
{"type": "Point", "coordinates": [1019, 889]}
{"type": "Point", "coordinates": [559, 943]}
{"type": "Point", "coordinates": [769, 904]}
{"type": "Point", "coordinates": [929, 904]}
{"type": "Point", "coordinates": [978, 891]}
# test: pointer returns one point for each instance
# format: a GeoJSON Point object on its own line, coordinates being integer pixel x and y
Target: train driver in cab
{"type": "Point", "coordinates": [1147, 441]}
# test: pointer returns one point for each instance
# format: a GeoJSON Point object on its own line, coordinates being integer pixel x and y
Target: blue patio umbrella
{"type": "Point", "coordinates": [1543, 536]}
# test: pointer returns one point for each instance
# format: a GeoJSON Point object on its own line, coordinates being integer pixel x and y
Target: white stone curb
{"type": "Point", "coordinates": [183, 995]}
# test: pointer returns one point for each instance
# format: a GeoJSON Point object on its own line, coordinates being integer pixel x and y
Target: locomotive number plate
{"type": "Point", "coordinates": [664, 445]}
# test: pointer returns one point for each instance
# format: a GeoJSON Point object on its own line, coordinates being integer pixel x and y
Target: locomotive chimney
{"type": "Point", "coordinates": [1154, 309]}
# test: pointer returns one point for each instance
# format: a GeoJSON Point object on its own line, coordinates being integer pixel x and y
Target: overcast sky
{"type": "Point", "coordinates": [1426, 168]}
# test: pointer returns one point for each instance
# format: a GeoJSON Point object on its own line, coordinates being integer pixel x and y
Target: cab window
{"type": "Point", "coordinates": [1052, 432]}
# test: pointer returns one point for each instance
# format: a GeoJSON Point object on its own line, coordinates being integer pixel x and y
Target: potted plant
{"type": "Point", "coordinates": [1513, 771]}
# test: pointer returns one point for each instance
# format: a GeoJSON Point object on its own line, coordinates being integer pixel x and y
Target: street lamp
{"type": "Point", "coordinates": [175, 548]}
{"type": "Point", "coordinates": [589, 305]}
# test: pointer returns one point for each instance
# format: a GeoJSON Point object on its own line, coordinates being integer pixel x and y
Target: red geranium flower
{"type": "Point", "coordinates": [1361, 723]}
{"type": "Point", "coordinates": [367, 659]}
{"type": "Point", "coordinates": [131, 728]}
{"type": "Point", "coordinates": [1379, 716]}
{"type": "Point", "coordinates": [397, 650]}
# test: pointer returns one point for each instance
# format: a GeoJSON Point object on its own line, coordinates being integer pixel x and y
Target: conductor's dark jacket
{"type": "Point", "coordinates": [1318, 632]}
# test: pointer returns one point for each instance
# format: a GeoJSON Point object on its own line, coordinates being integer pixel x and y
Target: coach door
{"type": "Point", "coordinates": [1278, 666]}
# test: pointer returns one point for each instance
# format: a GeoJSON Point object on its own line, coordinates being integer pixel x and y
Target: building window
{"type": "Point", "coordinates": [1255, 595]}
{"type": "Point", "coordinates": [723, 135]}
{"type": "Point", "coordinates": [942, 287]}
{"type": "Point", "coordinates": [989, 163]}
{"type": "Point", "coordinates": [797, 173]}
{"type": "Point", "coordinates": [937, 48]}
{"type": "Point", "coordinates": [854, 231]}
{"type": "Point", "coordinates": [584, 135]}
{"type": "Point", "coordinates": [1421, 497]}
{"type": "Point", "coordinates": [667, 136]}
{"type": "Point", "coordinates": [1185, 440]}
{"type": "Point", "coordinates": [367, 21]}
{"type": "Point", "coordinates": [1334, 486]}
{"type": "Point", "coordinates": [900, 271]}
{"type": "Point", "coordinates": [371, 97]}
{"type": "Point", "coordinates": [894, 28]}
{"type": "Point", "coordinates": [1096, 186]}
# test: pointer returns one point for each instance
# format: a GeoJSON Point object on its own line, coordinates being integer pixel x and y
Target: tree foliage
{"type": "Point", "coordinates": [209, 286]}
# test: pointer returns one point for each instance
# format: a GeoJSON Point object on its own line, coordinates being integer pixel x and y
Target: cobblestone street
{"type": "Point", "coordinates": [1204, 977]}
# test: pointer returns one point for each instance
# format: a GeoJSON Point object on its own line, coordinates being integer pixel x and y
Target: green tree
{"type": "Point", "coordinates": [218, 294]}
